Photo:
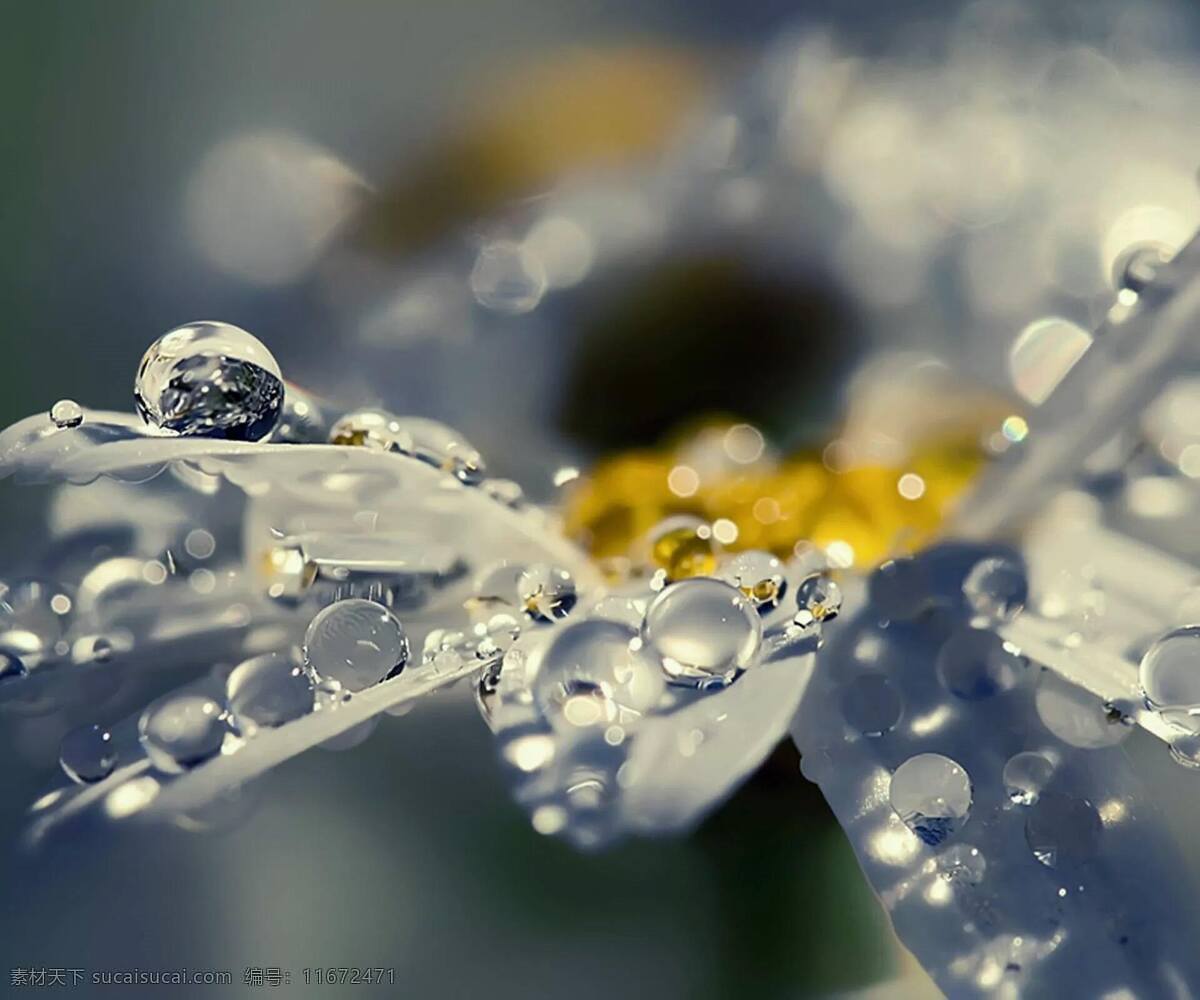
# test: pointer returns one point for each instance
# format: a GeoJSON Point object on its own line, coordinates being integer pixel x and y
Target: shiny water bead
{"type": "Point", "coordinates": [545, 592]}
{"type": "Point", "coordinates": [996, 589]}
{"type": "Point", "coordinates": [1075, 716]}
{"type": "Point", "coordinates": [301, 420]}
{"type": "Point", "coordinates": [758, 575]}
{"type": "Point", "coordinates": [683, 547]}
{"type": "Point", "coordinates": [975, 663]}
{"type": "Point", "coordinates": [66, 413]}
{"type": "Point", "coordinates": [705, 631]}
{"type": "Point", "coordinates": [962, 863]}
{"type": "Point", "coordinates": [495, 588]}
{"type": "Point", "coordinates": [595, 673]}
{"type": "Point", "coordinates": [34, 614]}
{"type": "Point", "coordinates": [87, 754]}
{"type": "Point", "coordinates": [210, 380]}
{"type": "Point", "coordinates": [496, 636]}
{"type": "Point", "coordinates": [366, 428]}
{"type": "Point", "coordinates": [899, 590]}
{"type": "Point", "coordinates": [1185, 749]}
{"type": "Point", "coordinates": [440, 446]}
{"type": "Point", "coordinates": [932, 795]}
{"type": "Point", "coordinates": [1169, 673]}
{"type": "Point", "coordinates": [355, 642]}
{"type": "Point", "coordinates": [1063, 831]}
{"type": "Point", "coordinates": [871, 705]}
{"type": "Point", "coordinates": [181, 730]}
{"type": "Point", "coordinates": [1138, 267]}
{"type": "Point", "coordinates": [1025, 775]}
{"type": "Point", "coordinates": [818, 596]}
{"type": "Point", "coordinates": [267, 690]}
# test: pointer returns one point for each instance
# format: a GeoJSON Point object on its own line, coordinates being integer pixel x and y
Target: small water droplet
{"type": "Point", "coordinates": [181, 730]}
{"type": "Point", "coordinates": [899, 590]}
{"type": "Point", "coordinates": [974, 664]}
{"type": "Point", "coordinates": [1025, 775]}
{"type": "Point", "coordinates": [546, 593]}
{"type": "Point", "coordinates": [820, 597]}
{"type": "Point", "coordinates": [267, 690]}
{"type": "Point", "coordinates": [996, 589]}
{"type": "Point", "coordinates": [87, 754]}
{"type": "Point", "coordinates": [705, 631]}
{"type": "Point", "coordinates": [210, 380]}
{"type": "Point", "coordinates": [871, 705]}
{"type": "Point", "coordinates": [932, 795]}
{"type": "Point", "coordinates": [683, 546]}
{"type": "Point", "coordinates": [508, 278]}
{"type": "Point", "coordinates": [758, 575]}
{"type": "Point", "coordinates": [963, 864]}
{"type": "Point", "coordinates": [66, 413]}
{"type": "Point", "coordinates": [1063, 831]}
{"type": "Point", "coordinates": [366, 428]}
{"type": "Point", "coordinates": [356, 642]}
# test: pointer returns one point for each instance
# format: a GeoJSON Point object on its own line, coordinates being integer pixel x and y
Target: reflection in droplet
{"type": "Point", "coordinates": [87, 754]}
{"type": "Point", "coordinates": [683, 546]}
{"type": "Point", "coordinates": [546, 593]}
{"type": "Point", "coordinates": [932, 795]}
{"type": "Point", "coordinates": [819, 597]}
{"type": "Point", "coordinates": [975, 664]}
{"type": "Point", "coordinates": [1063, 831]}
{"type": "Point", "coordinates": [962, 863]}
{"type": "Point", "coordinates": [355, 642]}
{"type": "Point", "coordinates": [1169, 673]}
{"type": "Point", "coordinates": [758, 575]}
{"type": "Point", "coordinates": [996, 589]}
{"type": "Point", "coordinates": [66, 413]}
{"type": "Point", "coordinates": [705, 631]}
{"type": "Point", "coordinates": [1043, 354]}
{"type": "Point", "coordinates": [267, 690]}
{"type": "Point", "coordinates": [181, 730]}
{"type": "Point", "coordinates": [1025, 775]}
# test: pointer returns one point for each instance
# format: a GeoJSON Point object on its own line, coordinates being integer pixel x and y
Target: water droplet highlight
{"type": "Point", "coordinates": [267, 690]}
{"type": "Point", "coordinates": [181, 730]}
{"type": "Point", "coordinates": [546, 593]}
{"type": "Point", "coordinates": [87, 754]}
{"type": "Point", "coordinates": [996, 589]}
{"type": "Point", "coordinates": [932, 795]}
{"type": "Point", "coordinates": [66, 413]}
{"type": "Point", "coordinates": [1025, 775]}
{"type": "Point", "coordinates": [355, 642]}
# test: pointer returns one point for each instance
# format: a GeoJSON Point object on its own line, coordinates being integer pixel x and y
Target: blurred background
{"type": "Point", "coordinates": [572, 230]}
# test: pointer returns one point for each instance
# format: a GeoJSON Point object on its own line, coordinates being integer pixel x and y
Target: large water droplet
{"type": "Point", "coordinates": [87, 754]}
{"type": "Point", "coordinates": [181, 730]}
{"type": "Point", "coordinates": [1025, 775]}
{"type": "Point", "coordinates": [546, 593]}
{"type": "Point", "coordinates": [66, 413]}
{"type": "Point", "coordinates": [355, 642]}
{"type": "Point", "coordinates": [899, 590]}
{"type": "Point", "coordinates": [1169, 673]}
{"type": "Point", "coordinates": [974, 664]}
{"type": "Point", "coordinates": [871, 705]}
{"type": "Point", "coordinates": [267, 690]}
{"type": "Point", "coordinates": [705, 631]}
{"type": "Point", "coordinates": [210, 380]}
{"type": "Point", "coordinates": [932, 794]}
{"type": "Point", "coordinates": [1043, 354]}
{"type": "Point", "coordinates": [996, 589]}
{"type": "Point", "coordinates": [1063, 831]}
{"type": "Point", "coordinates": [595, 673]}
{"type": "Point", "coordinates": [758, 575]}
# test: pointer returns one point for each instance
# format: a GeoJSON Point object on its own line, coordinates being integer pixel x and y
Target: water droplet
{"type": "Point", "coordinates": [301, 420]}
{"type": "Point", "coordinates": [440, 446]}
{"type": "Point", "coordinates": [1025, 775]}
{"type": "Point", "coordinates": [1138, 267]}
{"type": "Point", "coordinates": [1043, 354]}
{"type": "Point", "coordinates": [181, 730]}
{"type": "Point", "coordinates": [545, 592]}
{"type": "Point", "coordinates": [963, 864]}
{"type": "Point", "coordinates": [34, 615]}
{"type": "Point", "coordinates": [871, 705]}
{"type": "Point", "coordinates": [66, 413]}
{"type": "Point", "coordinates": [1074, 715]}
{"type": "Point", "coordinates": [899, 590]}
{"type": "Point", "coordinates": [975, 664]}
{"type": "Point", "coordinates": [210, 380]}
{"type": "Point", "coordinates": [1063, 831]}
{"type": "Point", "coordinates": [705, 631]}
{"type": "Point", "coordinates": [758, 575]}
{"type": "Point", "coordinates": [820, 597]}
{"type": "Point", "coordinates": [87, 754]}
{"type": "Point", "coordinates": [356, 642]}
{"type": "Point", "coordinates": [267, 690]}
{"type": "Point", "coordinates": [932, 795]}
{"type": "Point", "coordinates": [683, 547]}
{"type": "Point", "coordinates": [508, 278]}
{"type": "Point", "coordinates": [595, 673]}
{"type": "Point", "coordinates": [1169, 673]}
{"type": "Point", "coordinates": [366, 428]}
{"type": "Point", "coordinates": [996, 590]}
{"type": "Point", "coordinates": [1185, 749]}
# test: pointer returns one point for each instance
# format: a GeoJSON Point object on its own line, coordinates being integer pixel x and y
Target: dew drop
{"type": "Point", "coordinates": [1063, 831]}
{"type": "Point", "coordinates": [301, 420]}
{"type": "Point", "coordinates": [705, 631]}
{"type": "Point", "coordinates": [508, 278]}
{"type": "Point", "coordinates": [267, 690]}
{"type": "Point", "coordinates": [181, 730]}
{"type": "Point", "coordinates": [1169, 672]}
{"type": "Point", "coordinates": [996, 589]}
{"type": "Point", "coordinates": [1025, 775]}
{"type": "Point", "coordinates": [366, 428]}
{"type": "Point", "coordinates": [87, 754]}
{"type": "Point", "coordinates": [963, 864]}
{"type": "Point", "coordinates": [210, 380]}
{"type": "Point", "coordinates": [974, 664]}
{"type": "Point", "coordinates": [758, 575]}
{"type": "Point", "coordinates": [546, 593]}
{"type": "Point", "coordinates": [355, 642]}
{"type": "Point", "coordinates": [871, 705]}
{"type": "Point", "coordinates": [820, 597]}
{"type": "Point", "coordinates": [899, 590]}
{"type": "Point", "coordinates": [1076, 716]}
{"type": "Point", "coordinates": [932, 795]}
{"type": "Point", "coordinates": [683, 546]}
{"type": "Point", "coordinates": [66, 413]}
{"type": "Point", "coordinates": [440, 446]}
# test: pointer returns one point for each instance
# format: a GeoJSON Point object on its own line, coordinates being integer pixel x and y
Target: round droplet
{"type": "Point", "coordinates": [1043, 354]}
{"type": "Point", "coordinates": [367, 428]}
{"type": "Point", "coordinates": [962, 864]}
{"type": "Point", "coordinates": [1063, 831]}
{"type": "Point", "coordinates": [595, 673]}
{"type": "Point", "coordinates": [267, 690]}
{"type": "Point", "coordinates": [820, 597]}
{"type": "Point", "coordinates": [1170, 670]}
{"type": "Point", "coordinates": [210, 380]}
{"type": "Point", "coordinates": [439, 446]}
{"type": "Point", "coordinates": [932, 795]}
{"type": "Point", "coordinates": [758, 575]}
{"type": "Point", "coordinates": [974, 664]}
{"type": "Point", "coordinates": [507, 278]}
{"type": "Point", "coordinates": [546, 593]}
{"type": "Point", "coordinates": [683, 547]}
{"type": "Point", "coordinates": [996, 589]}
{"type": "Point", "coordinates": [1185, 749]}
{"type": "Point", "coordinates": [705, 631]}
{"type": "Point", "coordinates": [181, 730]}
{"type": "Point", "coordinates": [1025, 775]}
{"type": "Point", "coordinates": [355, 642]}
{"type": "Point", "coordinates": [1138, 267]}
{"type": "Point", "coordinates": [899, 590]}
{"type": "Point", "coordinates": [871, 705]}
{"type": "Point", "coordinates": [87, 754]}
{"type": "Point", "coordinates": [66, 413]}
{"type": "Point", "coordinates": [34, 616]}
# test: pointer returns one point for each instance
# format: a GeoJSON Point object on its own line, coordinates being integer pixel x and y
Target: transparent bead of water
{"type": "Point", "coordinates": [595, 673]}
{"type": "Point", "coordinates": [758, 575]}
{"type": "Point", "coordinates": [66, 413]}
{"type": "Point", "coordinates": [546, 593]}
{"type": "Point", "coordinates": [683, 546]}
{"type": "Point", "coordinates": [996, 589]}
{"type": "Point", "coordinates": [705, 631]}
{"type": "Point", "coordinates": [1063, 831]}
{"type": "Point", "coordinates": [1025, 775]}
{"type": "Point", "coordinates": [507, 278]}
{"type": "Point", "coordinates": [266, 691]}
{"type": "Point", "coordinates": [34, 614]}
{"type": "Point", "coordinates": [496, 636]}
{"type": "Point", "coordinates": [1076, 716]}
{"type": "Point", "coordinates": [1169, 672]}
{"type": "Point", "coordinates": [210, 380]}
{"type": "Point", "coordinates": [301, 420]}
{"type": "Point", "coordinates": [820, 597]}
{"type": "Point", "coordinates": [871, 705]}
{"type": "Point", "coordinates": [356, 642]}
{"type": "Point", "coordinates": [181, 730]}
{"type": "Point", "coordinates": [496, 587]}
{"type": "Point", "coordinates": [87, 754]}
{"type": "Point", "coordinates": [932, 795]}
{"type": "Point", "coordinates": [974, 664]}
{"type": "Point", "coordinates": [366, 428]}
{"type": "Point", "coordinates": [1185, 749]}
{"type": "Point", "coordinates": [899, 590]}
{"type": "Point", "coordinates": [440, 446]}
{"type": "Point", "coordinates": [963, 864]}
